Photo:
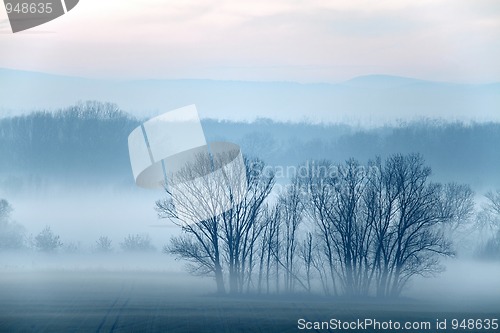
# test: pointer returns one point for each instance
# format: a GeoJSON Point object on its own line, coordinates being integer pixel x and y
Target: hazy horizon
{"type": "Point", "coordinates": [372, 100]}
{"type": "Point", "coordinates": [361, 179]}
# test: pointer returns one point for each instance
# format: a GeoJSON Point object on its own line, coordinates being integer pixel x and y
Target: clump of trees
{"type": "Point", "coordinates": [491, 249]}
{"type": "Point", "coordinates": [226, 241]}
{"type": "Point", "coordinates": [103, 244]}
{"type": "Point", "coordinates": [137, 243]}
{"type": "Point", "coordinates": [12, 234]}
{"type": "Point", "coordinates": [87, 138]}
{"type": "Point", "coordinates": [13, 237]}
{"type": "Point", "coordinates": [488, 227]}
{"type": "Point", "coordinates": [347, 229]}
{"type": "Point", "coordinates": [47, 241]}
{"type": "Point", "coordinates": [379, 227]}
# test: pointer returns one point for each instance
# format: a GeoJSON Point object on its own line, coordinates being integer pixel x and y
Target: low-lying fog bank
{"type": "Point", "coordinates": [464, 284]}
{"type": "Point", "coordinates": [153, 261]}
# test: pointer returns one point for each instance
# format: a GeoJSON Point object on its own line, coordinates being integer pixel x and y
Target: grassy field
{"type": "Point", "coordinates": [126, 301]}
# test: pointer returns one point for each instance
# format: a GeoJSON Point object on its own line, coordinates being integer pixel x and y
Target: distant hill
{"type": "Point", "coordinates": [368, 101]}
{"type": "Point", "coordinates": [87, 144]}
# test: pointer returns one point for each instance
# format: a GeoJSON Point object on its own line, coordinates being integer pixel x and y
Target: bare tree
{"type": "Point", "coordinates": [487, 224]}
{"type": "Point", "coordinates": [318, 183]}
{"type": "Point", "coordinates": [228, 237]}
{"type": "Point", "coordinates": [47, 241]}
{"type": "Point", "coordinates": [494, 201]}
{"type": "Point", "coordinates": [240, 227]}
{"type": "Point", "coordinates": [368, 229]}
{"type": "Point", "coordinates": [136, 243]}
{"type": "Point", "coordinates": [490, 221]}
{"type": "Point", "coordinates": [346, 231]}
{"type": "Point", "coordinates": [380, 226]}
{"type": "Point", "coordinates": [306, 253]}
{"type": "Point", "coordinates": [491, 248]}
{"type": "Point", "coordinates": [269, 247]}
{"type": "Point", "coordinates": [457, 205]}
{"type": "Point", "coordinates": [103, 244]}
{"type": "Point", "coordinates": [291, 207]}
{"type": "Point", "coordinates": [199, 243]}
{"type": "Point", "coordinates": [411, 239]}
{"type": "Point", "coordinates": [11, 233]}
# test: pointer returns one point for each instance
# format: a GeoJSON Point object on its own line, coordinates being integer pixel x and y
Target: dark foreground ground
{"type": "Point", "coordinates": [121, 301]}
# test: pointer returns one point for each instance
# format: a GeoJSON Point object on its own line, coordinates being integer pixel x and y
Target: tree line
{"type": "Point", "coordinates": [90, 138]}
{"type": "Point", "coordinates": [14, 237]}
{"type": "Point", "coordinates": [337, 229]}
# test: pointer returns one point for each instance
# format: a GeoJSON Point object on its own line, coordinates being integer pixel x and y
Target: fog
{"type": "Point", "coordinates": [82, 244]}
{"type": "Point", "coordinates": [80, 217]}
{"type": "Point", "coordinates": [83, 216]}
{"type": "Point", "coordinates": [466, 283]}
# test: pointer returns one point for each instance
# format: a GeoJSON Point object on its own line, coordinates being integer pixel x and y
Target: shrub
{"type": "Point", "coordinates": [11, 233]}
{"type": "Point", "coordinates": [47, 241]}
{"type": "Point", "coordinates": [103, 244]}
{"type": "Point", "coordinates": [137, 243]}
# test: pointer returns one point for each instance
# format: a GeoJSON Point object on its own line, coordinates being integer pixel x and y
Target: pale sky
{"type": "Point", "coordinates": [264, 40]}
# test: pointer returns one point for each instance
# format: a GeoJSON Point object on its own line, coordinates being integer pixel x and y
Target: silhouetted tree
{"type": "Point", "coordinates": [488, 225]}
{"type": "Point", "coordinates": [11, 233]}
{"type": "Point", "coordinates": [241, 227]}
{"type": "Point", "coordinates": [225, 239]}
{"type": "Point", "coordinates": [306, 253]}
{"type": "Point", "coordinates": [200, 243]}
{"type": "Point", "coordinates": [336, 206]}
{"type": "Point", "coordinates": [103, 244]}
{"type": "Point", "coordinates": [409, 239]}
{"type": "Point", "coordinates": [269, 245]}
{"type": "Point", "coordinates": [137, 243]}
{"type": "Point", "coordinates": [380, 225]}
{"type": "Point", "coordinates": [47, 241]}
{"type": "Point", "coordinates": [368, 228]}
{"type": "Point", "coordinates": [291, 213]}
{"type": "Point", "coordinates": [493, 201]}
{"type": "Point", "coordinates": [458, 206]}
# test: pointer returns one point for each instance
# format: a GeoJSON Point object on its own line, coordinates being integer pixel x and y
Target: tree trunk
{"type": "Point", "coordinates": [219, 279]}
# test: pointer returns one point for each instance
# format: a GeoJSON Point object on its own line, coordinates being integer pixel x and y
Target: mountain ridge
{"type": "Point", "coordinates": [367, 100]}
{"type": "Point", "coordinates": [367, 77]}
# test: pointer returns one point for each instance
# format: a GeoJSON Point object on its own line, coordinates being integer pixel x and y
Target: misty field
{"type": "Point", "coordinates": [149, 301]}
